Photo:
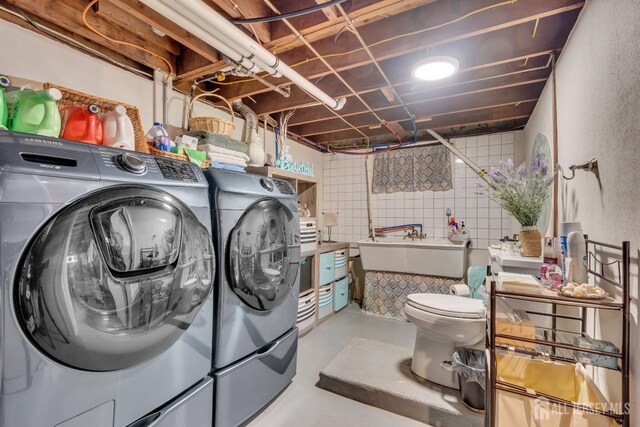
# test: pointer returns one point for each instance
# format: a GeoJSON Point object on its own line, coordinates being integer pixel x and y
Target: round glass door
{"type": "Point", "coordinates": [264, 254]}
{"type": "Point", "coordinates": [114, 279]}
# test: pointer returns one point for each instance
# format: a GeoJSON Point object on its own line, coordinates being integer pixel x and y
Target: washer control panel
{"type": "Point", "coordinates": [176, 170]}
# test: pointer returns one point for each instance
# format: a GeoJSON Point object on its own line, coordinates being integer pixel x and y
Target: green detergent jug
{"type": "Point", "coordinates": [34, 112]}
{"type": "Point", "coordinates": [5, 82]}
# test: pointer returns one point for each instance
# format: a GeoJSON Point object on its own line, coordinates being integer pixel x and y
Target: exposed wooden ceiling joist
{"type": "Point", "coordinates": [246, 9]}
{"type": "Point", "coordinates": [431, 15]}
{"type": "Point", "coordinates": [68, 14]}
{"type": "Point", "coordinates": [472, 118]}
{"type": "Point", "coordinates": [431, 108]}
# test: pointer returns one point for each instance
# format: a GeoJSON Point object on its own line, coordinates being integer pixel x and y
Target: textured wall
{"type": "Point", "coordinates": [598, 79]}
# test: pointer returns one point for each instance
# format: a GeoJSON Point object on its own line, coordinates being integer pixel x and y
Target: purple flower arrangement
{"type": "Point", "coordinates": [520, 191]}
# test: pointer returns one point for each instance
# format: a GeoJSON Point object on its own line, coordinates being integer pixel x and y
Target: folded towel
{"type": "Point", "coordinates": [475, 278]}
{"type": "Point", "coordinates": [232, 160]}
{"type": "Point", "coordinates": [214, 149]}
{"type": "Point", "coordinates": [218, 140]}
{"type": "Point", "coordinates": [227, 166]}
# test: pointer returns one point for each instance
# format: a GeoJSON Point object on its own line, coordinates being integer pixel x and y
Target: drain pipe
{"type": "Point", "coordinates": [202, 21]}
{"type": "Point", "coordinates": [481, 172]}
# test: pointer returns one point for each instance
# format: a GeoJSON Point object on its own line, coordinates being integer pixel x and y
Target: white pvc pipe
{"type": "Point", "coordinates": [205, 23]}
{"type": "Point", "coordinates": [481, 172]}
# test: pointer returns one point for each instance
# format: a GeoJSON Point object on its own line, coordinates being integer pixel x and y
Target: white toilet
{"type": "Point", "coordinates": [443, 323]}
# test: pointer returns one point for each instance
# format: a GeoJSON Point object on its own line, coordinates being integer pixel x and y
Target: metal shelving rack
{"type": "Point", "coordinates": [554, 344]}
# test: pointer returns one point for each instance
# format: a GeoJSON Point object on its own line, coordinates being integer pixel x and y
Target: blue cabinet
{"type": "Point", "coordinates": [341, 294]}
{"type": "Point", "coordinates": [327, 268]}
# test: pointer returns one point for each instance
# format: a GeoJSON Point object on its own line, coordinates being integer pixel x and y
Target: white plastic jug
{"type": "Point", "coordinates": [118, 129]}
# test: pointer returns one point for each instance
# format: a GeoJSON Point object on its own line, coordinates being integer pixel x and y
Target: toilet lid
{"type": "Point", "coordinates": [448, 305]}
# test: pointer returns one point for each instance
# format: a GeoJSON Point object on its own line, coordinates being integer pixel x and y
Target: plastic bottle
{"type": "Point", "coordinates": [5, 82]}
{"type": "Point", "coordinates": [83, 124]}
{"type": "Point", "coordinates": [34, 112]}
{"type": "Point", "coordinates": [576, 258]}
{"type": "Point", "coordinates": [159, 137]}
{"type": "Point", "coordinates": [117, 129]}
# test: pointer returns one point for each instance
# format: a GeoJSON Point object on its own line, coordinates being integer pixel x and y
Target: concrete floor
{"type": "Point", "coordinates": [303, 404]}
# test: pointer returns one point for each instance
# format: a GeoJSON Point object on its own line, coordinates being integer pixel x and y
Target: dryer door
{"type": "Point", "coordinates": [264, 254]}
{"type": "Point", "coordinates": [114, 279]}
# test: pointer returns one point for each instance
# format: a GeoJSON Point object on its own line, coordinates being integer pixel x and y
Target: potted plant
{"type": "Point", "coordinates": [522, 192]}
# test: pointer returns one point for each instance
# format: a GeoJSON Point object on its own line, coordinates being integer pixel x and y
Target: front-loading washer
{"type": "Point", "coordinates": [106, 269]}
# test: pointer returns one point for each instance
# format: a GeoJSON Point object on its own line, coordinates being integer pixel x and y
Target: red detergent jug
{"type": "Point", "coordinates": [82, 124]}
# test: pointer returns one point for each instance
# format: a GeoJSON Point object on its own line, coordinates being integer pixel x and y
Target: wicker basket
{"type": "Point", "coordinates": [211, 124]}
{"type": "Point", "coordinates": [73, 98]}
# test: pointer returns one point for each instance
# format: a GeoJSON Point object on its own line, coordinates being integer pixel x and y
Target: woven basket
{"type": "Point", "coordinates": [531, 241]}
{"type": "Point", "coordinates": [211, 124]}
{"type": "Point", "coordinates": [73, 98]}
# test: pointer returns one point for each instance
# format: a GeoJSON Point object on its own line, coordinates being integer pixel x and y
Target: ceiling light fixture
{"type": "Point", "coordinates": [435, 68]}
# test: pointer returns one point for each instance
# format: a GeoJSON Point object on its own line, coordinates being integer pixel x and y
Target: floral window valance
{"type": "Point", "coordinates": [413, 169]}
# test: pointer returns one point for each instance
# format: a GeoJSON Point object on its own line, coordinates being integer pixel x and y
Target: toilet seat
{"type": "Point", "coordinates": [448, 305]}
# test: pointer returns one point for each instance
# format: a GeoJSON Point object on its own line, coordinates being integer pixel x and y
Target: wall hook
{"type": "Point", "coordinates": [590, 166]}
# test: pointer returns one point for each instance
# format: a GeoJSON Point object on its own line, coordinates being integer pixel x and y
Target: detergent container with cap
{"type": "Point", "coordinates": [117, 129]}
{"type": "Point", "coordinates": [5, 82]}
{"type": "Point", "coordinates": [34, 112]}
{"type": "Point", "coordinates": [83, 124]}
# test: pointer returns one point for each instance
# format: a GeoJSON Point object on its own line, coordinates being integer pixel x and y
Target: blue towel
{"type": "Point", "coordinates": [475, 280]}
{"type": "Point", "coordinates": [227, 166]}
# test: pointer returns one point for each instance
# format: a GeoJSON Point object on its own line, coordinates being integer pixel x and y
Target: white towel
{"type": "Point", "coordinates": [330, 219]}
{"type": "Point", "coordinates": [231, 160]}
{"type": "Point", "coordinates": [209, 148]}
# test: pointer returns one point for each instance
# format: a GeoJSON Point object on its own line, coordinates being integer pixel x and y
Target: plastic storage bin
{"type": "Point", "coordinates": [327, 268]}
{"type": "Point", "coordinates": [325, 301]}
{"type": "Point", "coordinates": [340, 264]}
{"type": "Point", "coordinates": [565, 381]}
{"type": "Point", "coordinates": [341, 294]}
{"type": "Point", "coordinates": [306, 313]}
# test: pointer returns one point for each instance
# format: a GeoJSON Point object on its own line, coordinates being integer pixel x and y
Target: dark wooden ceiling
{"type": "Point", "coordinates": [504, 49]}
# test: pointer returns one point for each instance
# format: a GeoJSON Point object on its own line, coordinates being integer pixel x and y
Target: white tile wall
{"type": "Point", "coordinates": [344, 190]}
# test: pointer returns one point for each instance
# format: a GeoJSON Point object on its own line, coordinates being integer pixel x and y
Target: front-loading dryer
{"type": "Point", "coordinates": [106, 269]}
{"type": "Point", "coordinates": [257, 240]}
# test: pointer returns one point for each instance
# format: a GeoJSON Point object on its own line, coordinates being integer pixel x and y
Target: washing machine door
{"type": "Point", "coordinates": [114, 279]}
{"type": "Point", "coordinates": [264, 254]}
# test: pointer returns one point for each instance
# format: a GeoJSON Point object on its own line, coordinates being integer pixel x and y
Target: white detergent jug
{"type": "Point", "coordinates": [118, 129]}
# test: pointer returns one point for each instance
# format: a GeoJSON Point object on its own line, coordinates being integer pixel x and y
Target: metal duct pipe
{"type": "Point", "coordinates": [205, 23]}
{"type": "Point", "coordinates": [251, 119]}
{"type": "Point", "coordinates": [467, 161]}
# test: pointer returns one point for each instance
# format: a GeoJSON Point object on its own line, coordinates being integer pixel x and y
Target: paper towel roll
{"type": "Point", "coordinates": [460, 290]}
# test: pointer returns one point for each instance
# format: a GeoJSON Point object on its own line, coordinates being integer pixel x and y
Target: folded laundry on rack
{"type": "Point", "coordinates": [514, 282]}
{"type": "Point", "coordinates": [214, 150]}
{"type": "Point", "coordinates": [218, 140]}
{"type": "Point", "coordinates": [228, 167]}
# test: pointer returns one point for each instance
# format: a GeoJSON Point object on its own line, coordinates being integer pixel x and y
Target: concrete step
{"type": "Point", "coordinates": [379, 374]}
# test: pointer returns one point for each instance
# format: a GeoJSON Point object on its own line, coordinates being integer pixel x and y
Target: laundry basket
{"type": "Point", "coordinates": [211, 124]}
{"type": "Point", "coordinates": [565, 381]}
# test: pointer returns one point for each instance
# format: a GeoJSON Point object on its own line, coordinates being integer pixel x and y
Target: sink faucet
{"type": "Point", "coordinates": [413, 234]}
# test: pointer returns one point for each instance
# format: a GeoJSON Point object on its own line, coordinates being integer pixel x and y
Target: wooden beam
{"type": "Point", "coordinates": [451, 120]}
{"type": "Point", "coordinates": [68, 14]}
{"type": "Point", "coordinates": [101, 50]}
{"type": "Point", "coordinates": [151, 17]}
{"type": "Point", "coordinates": [430, 108]}
{"type": "Point", "coordinates": [488, 50]}
{"type": "Point", "coordinates": [247, 9]}
{"type": "Point", "coordinates": [495, 20]}
{"type": "Point", "coordinates": [329, 12]}
{"type": "Point", "coordinates": [412, 95]}
{"type": "Point", "coordinates": [109, 11]}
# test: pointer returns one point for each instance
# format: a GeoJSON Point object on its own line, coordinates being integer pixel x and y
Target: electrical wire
{"type": "Point", "coordinates": [287, 15]}
{"type": "Point", "coordinates": [123, 43]}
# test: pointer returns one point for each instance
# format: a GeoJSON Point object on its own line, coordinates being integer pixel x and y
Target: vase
{"type": "Point", "coordinates": [530, 241]}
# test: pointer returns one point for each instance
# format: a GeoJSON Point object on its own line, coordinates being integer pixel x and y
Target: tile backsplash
{"type": "Point", "coordinates": [344, 191]}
